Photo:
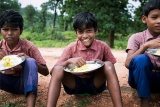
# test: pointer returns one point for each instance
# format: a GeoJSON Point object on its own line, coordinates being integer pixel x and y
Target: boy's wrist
{"type": "Point", "coordinates": [145, 47]}
{"type": "Point", "coordinates": [64, 64]}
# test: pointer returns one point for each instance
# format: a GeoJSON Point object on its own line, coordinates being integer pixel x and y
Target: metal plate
{"type": "Point", "coordinates": [14, 60]}
{"type": "Point", "coordinates": [91, 66]}
{"type": "Point", "coordinates": [153, 52]}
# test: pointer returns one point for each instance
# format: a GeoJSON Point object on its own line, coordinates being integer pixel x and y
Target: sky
{"type": "Point", "coordinates": [37, 3]}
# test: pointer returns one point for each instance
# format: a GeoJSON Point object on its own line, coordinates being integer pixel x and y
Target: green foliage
{"type": "Point", "coordinates": [121, 41]}
{"type": "Point", "coordinates": [138, 26]}
{"type": "Point", "coordinates": [62, 39]}
{"type": "Point", "coordinates": [17, 103]}
{"type": "Point", "coordinates": [35, 36]}
{"type": "Point", "coordinates": [70, 35]}
{"type": "Point", "coordinates": [9, 4]}
{"type": "Point", "coordinates": [83, 103]}
{"type": "Point", "coordinates": [113, 16]}
{"type": "Point", "coordinates": [49, 27]}
{"type": "Point", "coordinates": [44, 39]}
{"type": "Point", "coordinates": [67, 104]}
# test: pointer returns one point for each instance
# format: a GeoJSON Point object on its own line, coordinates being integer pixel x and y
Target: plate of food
{"type": "Point", "coordinates": [155, 52]}
{"type": "Point", "coordinates": [10, 61]}
{"type": "Point", "coordinates": [88, 67]}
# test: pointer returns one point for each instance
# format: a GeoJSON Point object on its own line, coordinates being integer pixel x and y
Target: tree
{"type": "Point", "coordinates": [112, 16]}
{"type": "Point", "coordinates": [9, 4]}
{"type": "Point", "coordinates": [53, 5]}
{"type": "Point", "coordinates": [43, 15]}
{"type": "Point", "coordinates": [137, 25]}
{"type": "Point", "coordinates": [29, 16]}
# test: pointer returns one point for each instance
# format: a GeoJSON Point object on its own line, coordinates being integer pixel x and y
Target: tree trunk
{"type": "Point", "coordinates": [111, 39]}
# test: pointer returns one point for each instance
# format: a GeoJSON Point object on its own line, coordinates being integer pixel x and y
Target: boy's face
{"type": "Point", "coordinates": [10, 34]}
{"type": "Point", "coordinates": [153, 22]}
{"type": "Point", "coordinates": [86, 36]}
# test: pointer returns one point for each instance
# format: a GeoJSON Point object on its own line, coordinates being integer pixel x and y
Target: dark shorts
{"type": "Point", "coordinates": [85, 86]}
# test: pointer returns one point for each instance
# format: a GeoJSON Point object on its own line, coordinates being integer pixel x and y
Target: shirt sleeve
{"type": "Point", "coordinates": [66, 54]}
{"type": "Point", "coordinates": [133, 43]}
{"type": "Point", "coordinates": [35, 53]}
{"type": "Point", "coordinates": [108, 56]}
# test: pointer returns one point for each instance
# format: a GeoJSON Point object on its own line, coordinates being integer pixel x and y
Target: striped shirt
{"type": "Point", "coordinates": [137, 40]}
{"type": "Point", "coordinates": [98, 50]}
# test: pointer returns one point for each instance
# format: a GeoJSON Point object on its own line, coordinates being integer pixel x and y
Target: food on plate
{"type": "Point", "coordinates": [158, 52]}
{"type": "Point", "coordinates": [10, 61]}
{"type": "Point", "coordinates": [86, 67]}
{"type": "Point", "coordinates": [7, 62]}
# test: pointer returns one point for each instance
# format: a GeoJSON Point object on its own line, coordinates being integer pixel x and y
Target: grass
{"type": "Point", "coordinates": [62, 39]}
{"type": "Point", "coordinates": [83, 103]}
{"type": "Point", "coordinates": [80, 103]}
{"type": "Point", "coordinates": [17, 103]}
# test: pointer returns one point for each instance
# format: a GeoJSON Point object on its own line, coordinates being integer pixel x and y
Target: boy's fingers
{"type": "Point", "coordinates": [21, 54]}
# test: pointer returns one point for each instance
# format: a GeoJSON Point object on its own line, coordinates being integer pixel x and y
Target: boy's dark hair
{"type": "Point", "coordinates": [151, 5]}
{"type": "Point", "coordinates": [85, 20]}
{"type": "Point", "coordinates": [11, 18]}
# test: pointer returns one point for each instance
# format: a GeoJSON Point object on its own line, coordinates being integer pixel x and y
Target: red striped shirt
{"type": "Point", "coordinates": [98, 50]}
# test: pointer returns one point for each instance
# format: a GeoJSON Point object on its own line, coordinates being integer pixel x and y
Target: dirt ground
{"type": "Point", "coordinates": [51, 55]}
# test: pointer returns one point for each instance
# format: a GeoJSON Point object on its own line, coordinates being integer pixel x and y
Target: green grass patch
{"type": "Point", "coordinates": [18, 103]}
{"type": "Point", "coordinates": [83, 103]}
{"type": "Point", "coordinates": [62, 39]}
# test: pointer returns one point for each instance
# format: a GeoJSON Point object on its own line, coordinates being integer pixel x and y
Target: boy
{"type": "Point", "coordinates": [22, 79]}
{"type": "Point", "coordinates": [144, 69]}
{"type": "Point", "coordinates": [86, 48]}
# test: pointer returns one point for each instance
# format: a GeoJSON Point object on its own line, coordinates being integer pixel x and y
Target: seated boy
{"type": "Point", "coordinates": [86, 48]}
{"type": "Point", "coordinates": [22, 79]}
{"type": "Point", "coordinates": [144, 69]}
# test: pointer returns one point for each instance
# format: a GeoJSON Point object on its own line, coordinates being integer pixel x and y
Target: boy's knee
{"type": "Point", "coordinates": [109, 66]}
{"type": "Point", "coordinates": [142, 60]}
{"type": "Point", "coordinates": [108, 63]}
{"type": "Point", "coordinates": [57, 70]}
{"type": "Point", "coordinates": [30, 63]}
{"type": "Point", "coordinates": [30, 60]}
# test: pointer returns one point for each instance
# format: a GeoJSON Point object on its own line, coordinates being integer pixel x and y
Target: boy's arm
{"type": "Point", "coordinates": [77, 61]}
{"type": "Point", "coordinates": [150, 44]}
{"type": "Point", "coordinates": [132, 53]}
{"type": "Point", "coordinates": [65, 63]}
{"type": "Point", "coordinates": [43, 69]}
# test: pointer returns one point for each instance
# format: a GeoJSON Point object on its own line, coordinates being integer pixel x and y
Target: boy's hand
{"type": "Point", "coordinates": [98, 61]}
{"type": "Point", "coordinates": [2, 54]}
{"type": "Point", "coordinates": [155, 43]}
{"type": "Point", "coordinates": [23, 54]}
{"type": "Point", "coordinates": [14, 71]}
{"type": "Point", "coordinates": [79, 61]}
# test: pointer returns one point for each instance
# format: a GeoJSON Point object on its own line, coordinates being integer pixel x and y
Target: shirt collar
{"type": "Point", "coordinates": [80, 46]}
{"type": "Point", "coordinates": [16, 48]}
{"type": "Point", "coordinates": [150, 36]}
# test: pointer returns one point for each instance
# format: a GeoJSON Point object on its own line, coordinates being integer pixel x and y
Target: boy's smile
{"type": "Point", "coordinates": [86, 36]}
